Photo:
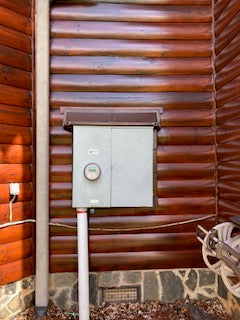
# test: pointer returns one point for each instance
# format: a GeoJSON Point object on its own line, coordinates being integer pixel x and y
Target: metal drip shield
{"type": "Point", "coordinates": [221, 252]}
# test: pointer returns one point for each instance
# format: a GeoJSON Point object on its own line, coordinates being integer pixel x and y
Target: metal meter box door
{"type": "Point", "coordinates": [112, 166]}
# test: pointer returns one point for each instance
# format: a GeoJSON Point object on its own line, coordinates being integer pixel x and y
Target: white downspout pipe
{"type": "Point", "coordinates": [83, 265]}
{"type": "Point", "coordinates": [42, 179]}
{"type": "Point", "coordinates": [42, 155]}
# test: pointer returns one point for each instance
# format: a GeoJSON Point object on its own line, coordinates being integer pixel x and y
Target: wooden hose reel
{"type": "Point", "coordinates": [221, 252]}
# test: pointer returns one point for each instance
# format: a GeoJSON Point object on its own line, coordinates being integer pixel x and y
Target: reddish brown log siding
{"type": "Point", "coordinates": [16, 242]}
{"type": "Point", "coordinates": [227, 32]}
{"type": "Point", "coordinates": [141, 55]}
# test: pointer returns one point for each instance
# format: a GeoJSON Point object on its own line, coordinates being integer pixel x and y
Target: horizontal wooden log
{"type": "Point", "coordinates": [63, 173]}
{"type": "Point", "coordinates": [186, 118]}
{"type": "Point", "coordinates": [21, 211]}
{"type": "Point", "coordinates": [16, 270]}
{"type": "Point", "coordinates": [228, 112]}
{"type": "Point", "coordinates": [130, 261]}
{"type": "Point", "coordinates": [56, 118]}
{"type": "Point", "coordinates": [15, 96]}
{"type": "Point", "coordinates": [228, 53]}
{"type": "Point", "coordinates": [15, 173]}
{"type": "Point", "coordinates": [229, 190]}
{"type": "Point", "coordinates": [15, 251]}
{"type": "Point", "coordinates": [166, 206]}
{"type": "Point", "coordinates": [147, 223]}
{"type": "Point", "coordinates": [185, 205]}
{"type": "Point", "coordinates": [184, 171]}
{"type": "Point", "coordinates": [121, 65]}
{"type": "Point", "coordinates": [63, 231]}
{"type": "Point", "coordinates": [229, 170]}
{"type": "Point", "coordinates": [146, 48]}
{"type": "Point", "coordinates": [229, 92]}
{"type": "Point", "coordinates": [61, 209]}
{"type": "Point", "coordinates": [229, 132]}
{"type": "Point", "coordinates": [15, 154]}
{"type": "Point", "coordinates": [130, 83]}
{"type": "Point", "coordinates": [62, 155]}
{"type": "Point", "coordinates": [15, 58]}
{"type": "Point", "coordinates": [169, 135]}
{"type": "Point", "coordinates": [21, 6]}
{"type": "Point", "coordinates": [228, 34]}
{"type": "Point", "coordinates": [226, 17]}
{"type": "Point", "coordinates": [14, 39]}
{"type": "Point", "coordinates": [182, 135]}
{"type": "Point", "coordinates": [24, 195]}
{"type": "Point", "coordinates": [15, 77]}
{"type": "Point", "coordinates": [228, 73]}
{"type": "Point", "coordinates": [219, 7]}
{"type": "Point", "coordinates": [167, 2]}
{"type": "Point", "coordinates": [124, 30]}
{"type": "Point", "coordinates": [187, 154]}
{"type": "Point", "coordinates": [225, 217]}
{"type": "Point", "coordinates": [59, 136]}
{"type": "Point", "coordinates": [130, 13]}
{"type": "Point", "coordinates": [14, 20]}
{"type": "Point", "coordinates": [145, 260]}
{"type": "Point", "coordinates": [126, 243]}
{"type": "Point", "coordinates": [16, 233]}
{"type": "Point", "coordinates": [178, 188]}
{"type": "Point", "coordinates": [230, 124]}
{"type": "Point", "coordinates": [128, 224]}
{"type": "Point", "coordinates": [15, 135]}
{"type": "Point", "coordinates": [111, 99]}
{"type": "Point", "coordinates": [229, 151]}
{"type": "Point", "coordinates": [15, 116]}
{"type": "Point", "coordinates": [61, 190]}
{"type": "Point", "coordinates": [228, 207]}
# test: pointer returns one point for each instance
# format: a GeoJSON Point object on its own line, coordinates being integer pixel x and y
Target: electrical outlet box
{"type": "Point", "coordinates": [14, 189]}
{"type": "Point", "coordinates": [112, 166]}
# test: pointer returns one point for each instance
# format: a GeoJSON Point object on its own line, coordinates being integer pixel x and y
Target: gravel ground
{"type": "Point", "coordinates": [180, 310]}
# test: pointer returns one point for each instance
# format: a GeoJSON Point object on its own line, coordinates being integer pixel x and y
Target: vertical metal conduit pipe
{"type": "Point", "coordinates": [42, 155]}
{"type": "Point", "coordinates": [83, 265]}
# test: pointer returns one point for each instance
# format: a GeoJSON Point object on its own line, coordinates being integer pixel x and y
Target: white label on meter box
{"type": "Point", "coordinates": [93, 152]}
{"type": "Point", "coordinates": [94, 201]}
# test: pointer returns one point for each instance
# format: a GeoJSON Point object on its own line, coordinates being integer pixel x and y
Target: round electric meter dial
{"type": "Point", "coordinates": [92, 171]}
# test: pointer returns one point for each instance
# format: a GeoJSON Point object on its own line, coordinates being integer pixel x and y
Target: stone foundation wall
{"type": "Point", "coordinates": [161, 285]}
{"type": "Point", "coordinates": [16, 297]}
{"type": "Point", "coordinates": [231, 304]}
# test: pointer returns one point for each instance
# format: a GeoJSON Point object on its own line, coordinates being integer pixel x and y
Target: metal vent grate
{"type": "Point", "coordinates": [119, 295]}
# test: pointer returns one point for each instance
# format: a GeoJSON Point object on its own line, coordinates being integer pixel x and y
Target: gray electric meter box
{"type": "Point", "coordinates": [113, 165]}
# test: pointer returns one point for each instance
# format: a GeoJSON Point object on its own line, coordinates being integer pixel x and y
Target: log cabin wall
{"type": "Point", "coordinates": [227, 67]}
{"type": "Point", "coordinates": [141, 54]}
{"type": "Point", "coordinates": [16, 41]}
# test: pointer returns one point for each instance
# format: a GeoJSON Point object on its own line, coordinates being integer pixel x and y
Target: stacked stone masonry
{"type": "Point", "coordinates": [16, 297]}
{"type": "Point", "coordinates": [159, 285]}
{"type": "Point", "coordinates": [156, 285]}
{"type": "Point", "coordinates": [231, 304]}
